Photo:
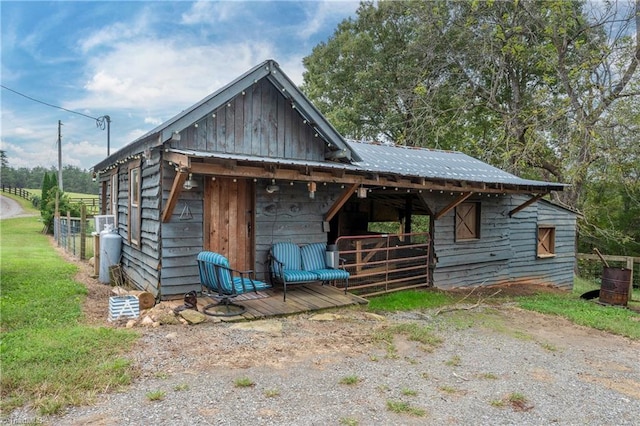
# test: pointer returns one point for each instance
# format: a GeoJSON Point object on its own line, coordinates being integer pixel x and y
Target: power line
{"type": "Point", "coordinates": [101, 122]}
{"type": "Point", "coordinates": [46, 103]}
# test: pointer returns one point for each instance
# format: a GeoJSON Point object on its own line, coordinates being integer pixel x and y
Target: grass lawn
{"type": "Point", "coordinates": [616, 320]}
{"type": "Point", "coordinates": [49, 358]}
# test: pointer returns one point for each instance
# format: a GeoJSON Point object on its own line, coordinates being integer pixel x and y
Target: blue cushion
{"type": "Point", "coordinates": [249, 285]}
{"type": "Point", "coordinates": [299, 276]}
{"type": "Point", "coordinates": [216, 275]}
{"type": "Point", "coordinates": [331, 274]}
{"type": "Point", "coordinates": [313, 256]}
{"type": "Point", "coordinates": [288, 254]}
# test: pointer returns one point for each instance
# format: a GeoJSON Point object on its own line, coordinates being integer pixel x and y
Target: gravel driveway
{"type": "Point", "coordinates": [10, 208]}
{"type": "Point", "coordinates": [492, 366]}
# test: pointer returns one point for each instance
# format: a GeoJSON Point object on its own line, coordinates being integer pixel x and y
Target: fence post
{"type": "Point", "coordinates": [68, 245]}
{"type": "Point", "coordinates": [630, 267]}
{"type": "Point", "coordinates": [83, 231]}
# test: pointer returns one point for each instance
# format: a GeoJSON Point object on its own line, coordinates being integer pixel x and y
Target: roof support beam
{"type": "Point", "coordinates": [526, 204]}
{"type": "Point", "coordinates": [176, 189]}
{"type": "Point", "coordinates": [341, 176]}
{"type": "Point", "coordinates": [180, 160]}
{"type": "Point", "coordinates": [340, 202]}
{"type": "Point", "coordinates": [453, 205]}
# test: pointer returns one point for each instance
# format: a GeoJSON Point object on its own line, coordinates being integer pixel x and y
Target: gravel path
{"type": "Point", "coordinates": [493, 366]}
{"type": "Point", "coordinates": [10, 208]}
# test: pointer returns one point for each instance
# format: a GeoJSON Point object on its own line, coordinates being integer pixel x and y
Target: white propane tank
{"type": "Point", "coordinates": [110, 249]}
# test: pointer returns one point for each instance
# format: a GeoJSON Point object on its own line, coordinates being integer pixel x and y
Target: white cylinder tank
{"type": "Point", "coordinates": [110, 249]}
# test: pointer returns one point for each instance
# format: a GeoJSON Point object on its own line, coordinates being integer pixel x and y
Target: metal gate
{"type": "Point", "coordinates": [384, 263]}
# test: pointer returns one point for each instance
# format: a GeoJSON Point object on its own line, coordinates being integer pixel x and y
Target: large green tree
{"type": "Point", "coordinates": [545, 89]}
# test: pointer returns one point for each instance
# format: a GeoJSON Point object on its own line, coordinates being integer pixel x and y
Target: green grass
{"type": "Point", "coordinates": [409, 300]}
{"type": "Point", "coordinates": [412, 331]}
{"type": "Point", "coordinates": [244, 382]}
{"type": "Point", "coordinates": [616, 320]}
{"type": "Point", "coordinates": [349, 380]}
{"type": "Point", "coordinates": [38, 192]}
{"type": "Point", "coordinates": [156, 395]}
{"type": "Point", "coordinates": [401, 407]}
{"type": "Point", "coordinates": [50, 359]}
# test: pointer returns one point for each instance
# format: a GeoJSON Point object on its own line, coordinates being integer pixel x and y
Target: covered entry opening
{"type": "Point", "coordinates": [384, 237]}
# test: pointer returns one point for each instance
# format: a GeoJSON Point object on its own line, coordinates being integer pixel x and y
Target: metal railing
{"type": "Point", "coordinates": [384, 263]}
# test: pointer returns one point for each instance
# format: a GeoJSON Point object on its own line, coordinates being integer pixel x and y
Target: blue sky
{"type": "Point", "coordinates": [138, 62]}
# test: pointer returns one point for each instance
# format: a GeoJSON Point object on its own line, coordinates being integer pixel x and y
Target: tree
{"type": "Point", "coordinates": [520, 84]}
{"type": "Point", "coordinates": [545, 89]}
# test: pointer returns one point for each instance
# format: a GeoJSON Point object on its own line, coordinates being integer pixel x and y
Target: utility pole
{"type": "Point", "coordinates": [60, 155]}
{"type": "Point", "coordinates": [108, 134]}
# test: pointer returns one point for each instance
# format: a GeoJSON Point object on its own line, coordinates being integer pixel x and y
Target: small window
{"type": "Point", "coordinates": [468, 221]}
{"type": "Point", "coordinates": [134, 205]}
{"type": "Point", "coordinates": [546, 241]}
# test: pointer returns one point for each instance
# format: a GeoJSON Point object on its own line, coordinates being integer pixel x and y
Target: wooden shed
{"type": "Point", "coordinates": [255, 163]}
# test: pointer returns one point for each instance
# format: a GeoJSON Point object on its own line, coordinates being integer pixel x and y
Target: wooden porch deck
{"type": "Point", "coordinates": [300, 298]}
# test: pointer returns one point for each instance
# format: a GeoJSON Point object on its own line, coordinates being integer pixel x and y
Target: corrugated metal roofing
{"type": "Point", "coordinates": [433, 164]}
{"type": "Point", "coordinates": [267, 160]}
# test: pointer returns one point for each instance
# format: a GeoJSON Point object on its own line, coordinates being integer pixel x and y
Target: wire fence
{"type": "Point", "coordinates": [75, 234]}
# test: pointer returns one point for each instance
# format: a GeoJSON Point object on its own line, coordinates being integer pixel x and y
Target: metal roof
{"type": "Point", "coordinates": [334, 165]}
{"type": "Point", "coordinates": [434, 164]}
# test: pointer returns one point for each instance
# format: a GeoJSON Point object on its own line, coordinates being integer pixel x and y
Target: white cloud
{"type": "Point", "coordinates": [323, 11]}
{"type": "Point", "coordinates": [117, 32]}
{"type": "Point", "coordinates": [153, 121]}
{"type": "Point", "coordinates": [164, 76]}
{"type": "Point", "coordinates": [209, 12]}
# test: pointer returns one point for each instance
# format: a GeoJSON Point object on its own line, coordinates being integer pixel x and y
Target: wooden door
{"type": "Point", "coordinates": [229, 220]}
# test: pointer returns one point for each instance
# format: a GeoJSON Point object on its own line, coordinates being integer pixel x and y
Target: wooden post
{"type": "Point", "coordinates": [96, 255]}
{"type": "Point", "coordinates": [68, 245]}
{"type": "Point", "coordinates": [83, 231]}
{"type": "Point", "coordinates": [630, 267]}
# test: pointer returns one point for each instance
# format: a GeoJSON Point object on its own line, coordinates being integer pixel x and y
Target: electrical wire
{"type": "Point", "coordinates": [100, 121]}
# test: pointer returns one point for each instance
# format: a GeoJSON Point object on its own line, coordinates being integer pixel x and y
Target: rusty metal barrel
{"type": "Point", "coordinates": [614, 289]}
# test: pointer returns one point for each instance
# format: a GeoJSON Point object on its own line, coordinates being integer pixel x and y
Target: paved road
{"type": "Point", "coordinates": [10, 208]}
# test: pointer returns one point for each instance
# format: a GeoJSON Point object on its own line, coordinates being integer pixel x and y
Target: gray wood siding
{"type": "Point", "coordinates": [475, 262]}
{"type": "Point", "coordinates": [506, 250]}
{"type": "Point", "coordinates": [182, 239]}
{"type": "Point", "coordinates": [260, 122]}
{"type": "Point", "coordinates": [141, 264]}
{"type": "Point", "coordinates": [524, 264]}
{"type": "Point", "coordinates": [289, 215]}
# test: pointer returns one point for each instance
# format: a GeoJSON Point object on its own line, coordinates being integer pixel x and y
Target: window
{"type": "Point", "coordinates": [134, 205]}
{"type": "Point", "coordinates": [468, 221]}
{"type": "Point", "coordinates": [114, 196]}
{"type": "Point", "coordinates": [546, 241]}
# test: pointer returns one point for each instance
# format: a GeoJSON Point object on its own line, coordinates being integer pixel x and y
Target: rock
{"type": "Point", "coordinates": [166, 318]}
{"type": "Point", "coordinates": [147, 321]}
{"type": "Point", "coordinates": [375, 317]}
{"type": "Point", "coordinates": [193, 317]}
{"type": "Point", "coordinates": [171, 336]}
{"type": "Point", "coordinates": [266, 326]}
{"type": "Point", "coordinates": [325, 317]}
{"type": "Point", "coordinates": [131, 323]}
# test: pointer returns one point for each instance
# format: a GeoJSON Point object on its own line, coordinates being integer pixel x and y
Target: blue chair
{"type": "Point", "coordinates": [223, 283]}
{"type": "Point", "coordinates": [292, 264]}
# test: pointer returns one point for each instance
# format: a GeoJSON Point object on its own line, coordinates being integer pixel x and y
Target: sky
{"type": "Point", "coordinates": [139, 62]}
